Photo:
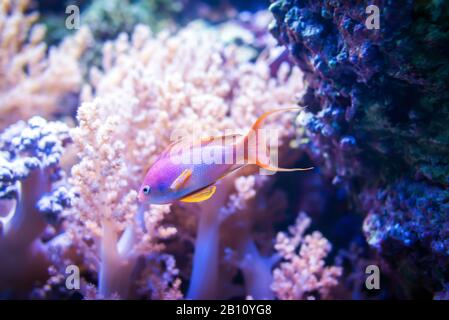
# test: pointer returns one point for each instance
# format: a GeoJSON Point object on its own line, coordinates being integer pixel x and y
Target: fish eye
{"type": "Point", "coordinates": [146, 189]}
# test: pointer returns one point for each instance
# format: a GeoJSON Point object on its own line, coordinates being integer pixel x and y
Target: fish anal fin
{"type": "Point", "coordinates": [200, 195]}
{"type": "Point", "coordinates": [181, 179]}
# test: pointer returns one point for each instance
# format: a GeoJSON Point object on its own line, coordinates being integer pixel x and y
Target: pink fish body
{"type": "Point", "coordinates": [163, 174]}
{"type": "Point", "coordinates": [181, 172]}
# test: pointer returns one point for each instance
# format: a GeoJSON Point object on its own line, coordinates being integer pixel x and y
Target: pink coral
{"type": "Point", "coordinates": [106, 210]}
{"type": "Point", "coordinates": [296, 270]}
{"type": "Point", "coordinates": [303, 274]}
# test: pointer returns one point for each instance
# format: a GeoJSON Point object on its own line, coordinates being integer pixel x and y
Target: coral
{"type": "Point", "coordinates": [105, 211]}
{"type": "Point", "coordinates": [302, 274]}
{"type": "Point", "coordinates": [407, 213]}
{"type": "Point", "coordinates": [410, 218]}
{"type": "Point", "coordinates": [154, 74]}
{"type": "Point", "coordinates": [53, 204]}
{"type": "Point", "coordinates": [149, 90]}
{"type": "Point", "coordinates": [248, 31]}
{"type": "Point", "coordinates": [247, 233]}
{"type": "Point", "coordinates": [32, 81]}
{"type": "Point", "coordinates": [29, 173]}
{"type": "Point", "coordinates": [288, 272]}
{"type": "Point", "coordinates": [377, 117]}
{"type": "Point", "coordinates": [374, 126]}
{"type": "Point", "coordinates": [213, 233]}
{"type": "Point", "coordinates": [108, 18]}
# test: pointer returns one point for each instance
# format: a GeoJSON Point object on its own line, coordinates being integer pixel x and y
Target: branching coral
{"type": "Point", "coordinates": [30, 153]}
{"type": "Point", "coordinates": [33, 82]}
{"type": "Point", "coordinates": [159, 93]}
{"type": "Point", "coordinates": [242, 251]}
{"type": "Point", "coordinates": [299, 275]}
{"type": "Point", "coordinates": [303, 274]}
{"type": "Point", "coordinates": [295, 270]}
{"type": "Point", "coordinates": [207, 280]}
{"type": "Point", "coordinates": [106, 209]}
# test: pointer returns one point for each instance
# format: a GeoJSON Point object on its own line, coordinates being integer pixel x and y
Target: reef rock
{"type": "Point", "coordinates": [379, 113]}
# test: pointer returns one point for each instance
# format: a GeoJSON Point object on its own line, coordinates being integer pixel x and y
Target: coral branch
{"type": "Point", "coordinates": [30, 153]}
{"type": "Point", "coordinates": [27, 222]}
{"type": "Point", "coordinates": [302, 274]}
{"type": "Point", "coordinates": [257, 271]}
{"type": "Point", "coordinates": [116, 268]}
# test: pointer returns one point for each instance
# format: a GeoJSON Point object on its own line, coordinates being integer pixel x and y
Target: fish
{"type": "Point", "coordinates": [177, 175]}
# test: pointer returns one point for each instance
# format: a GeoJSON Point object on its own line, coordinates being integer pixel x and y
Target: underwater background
{"type": "Point", "coordinates": [90, 92]}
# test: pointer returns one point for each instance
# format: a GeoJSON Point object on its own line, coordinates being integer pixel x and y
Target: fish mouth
{"type": "Point", "coordinates": [141, 197]}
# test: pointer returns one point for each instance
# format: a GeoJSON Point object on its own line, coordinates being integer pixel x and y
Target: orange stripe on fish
{"type": "Point", "coordinates": [182, 179]}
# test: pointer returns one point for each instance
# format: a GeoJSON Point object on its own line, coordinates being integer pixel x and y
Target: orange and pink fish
{"type": "Point", "coordinates": [169, 179]}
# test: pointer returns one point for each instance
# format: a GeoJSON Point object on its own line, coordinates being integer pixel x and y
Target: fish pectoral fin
{"type": "Point", "coordinates": [181, 179]}
{"type": "Point", "coordinates": [200, 195]}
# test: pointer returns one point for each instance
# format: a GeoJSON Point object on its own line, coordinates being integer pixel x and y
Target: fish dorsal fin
{"type": "Point", "coordinates": [200, 195]}
{"type": "Point", "coordinates": [181, 179]}
{"type": "Point", "coordinates": [207, 141]}
{"type": "Point", "coordinates": [201, 142]}
{"type": "Point", "coordinates": [171, 146]}
{"type": "Point", "coordinates": [227, 136]}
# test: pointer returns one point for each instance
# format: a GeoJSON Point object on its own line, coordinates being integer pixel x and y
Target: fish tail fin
{"type": "Point", "coordinates": [252, 154]}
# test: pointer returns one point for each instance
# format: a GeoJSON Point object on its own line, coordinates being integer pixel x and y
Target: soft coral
{"type": "Point", "coordinates": [30, 154]}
